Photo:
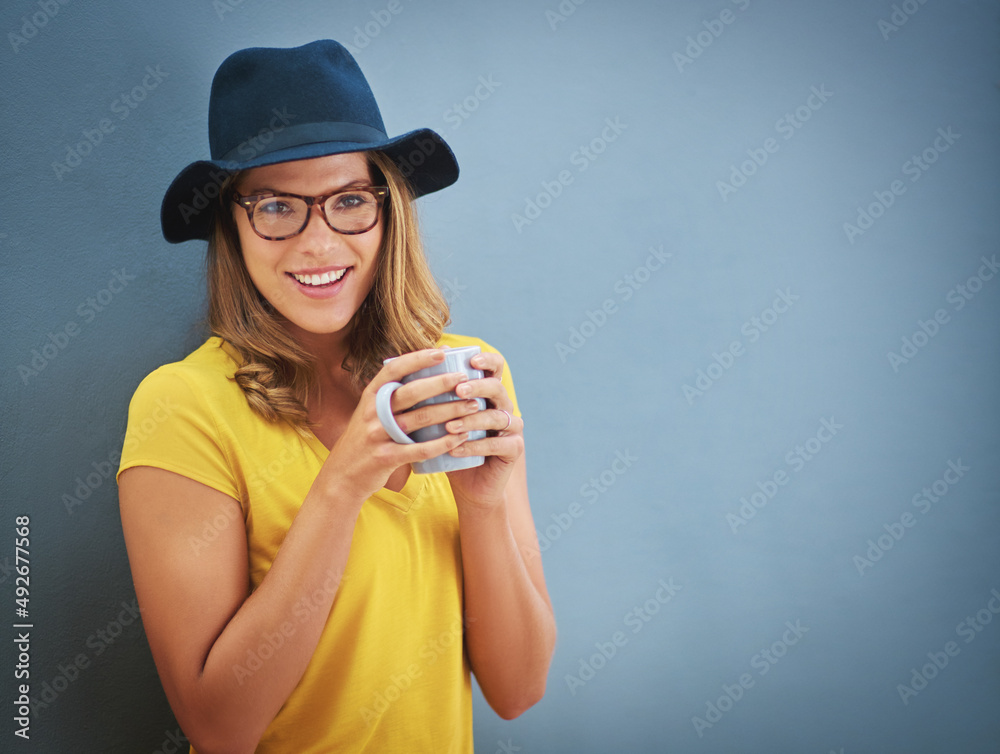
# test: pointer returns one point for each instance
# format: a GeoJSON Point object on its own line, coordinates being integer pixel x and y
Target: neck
{"type": "Point", "coordinates": [329, 351]}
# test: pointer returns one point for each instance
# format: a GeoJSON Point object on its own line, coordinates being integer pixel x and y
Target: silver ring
{"type": "Point", "coordinates": [509, 420]}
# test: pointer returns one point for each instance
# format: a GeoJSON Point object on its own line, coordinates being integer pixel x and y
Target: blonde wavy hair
{"type": "Point", "coordinates": [404, 311]}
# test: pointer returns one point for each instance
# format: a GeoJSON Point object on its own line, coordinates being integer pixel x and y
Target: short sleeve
{"type": "Point", "coordinates": [171, 427]}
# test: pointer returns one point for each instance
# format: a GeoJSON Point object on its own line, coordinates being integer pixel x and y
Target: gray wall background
{"type": "Point", "coordinates": [557, 74]}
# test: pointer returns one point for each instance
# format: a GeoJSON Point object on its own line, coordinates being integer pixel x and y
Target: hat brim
{"type": "Point", "coordinates": [186, 214]}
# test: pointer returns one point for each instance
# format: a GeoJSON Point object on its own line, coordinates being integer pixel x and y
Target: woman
{"type": "Point", "coordinates": [301, 589]}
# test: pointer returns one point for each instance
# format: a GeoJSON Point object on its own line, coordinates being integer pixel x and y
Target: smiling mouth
{"type": "Point", "coordinates": [319, 281]}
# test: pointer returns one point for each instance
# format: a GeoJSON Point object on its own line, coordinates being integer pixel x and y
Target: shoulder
{"type": "Point", "coordinates": [184, 417]}
{"type": "Point", "coordinates": [453, 340]}
{"type": "Point", "coordinates": [204, 375]}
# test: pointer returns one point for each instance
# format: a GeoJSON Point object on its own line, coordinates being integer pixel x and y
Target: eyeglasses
{"type": "Point", "coordinates": [276, 217]}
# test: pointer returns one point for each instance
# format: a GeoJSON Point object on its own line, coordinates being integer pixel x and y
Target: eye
{"type": "Point", "coordinates": [352, 201]}
{"type": "Point", "coordinates": [275, 207]}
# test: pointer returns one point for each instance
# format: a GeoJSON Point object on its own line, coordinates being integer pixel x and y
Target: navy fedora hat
{"type": "Point", "coordinates": [270, 105]}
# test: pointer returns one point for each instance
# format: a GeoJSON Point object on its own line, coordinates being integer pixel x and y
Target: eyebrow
{"type": "Point", "coordinates": [269, 190]}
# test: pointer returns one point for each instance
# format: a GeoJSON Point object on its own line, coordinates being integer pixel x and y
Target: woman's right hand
{"type": "Point", "coordinates": [364, 456]}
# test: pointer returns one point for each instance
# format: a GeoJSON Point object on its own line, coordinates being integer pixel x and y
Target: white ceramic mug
{"type": "Point", "coordinates": [455, 360]}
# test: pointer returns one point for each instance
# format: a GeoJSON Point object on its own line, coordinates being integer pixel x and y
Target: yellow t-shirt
{"type": "Point", "coordinates": [389, 673]}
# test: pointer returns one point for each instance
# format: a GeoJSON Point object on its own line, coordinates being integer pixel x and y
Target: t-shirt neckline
{"type": "Point", "coordinates": [403, 500]}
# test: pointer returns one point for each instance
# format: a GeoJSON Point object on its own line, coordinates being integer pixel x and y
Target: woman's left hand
{"type": "Point", "coordinates": [484, 485]}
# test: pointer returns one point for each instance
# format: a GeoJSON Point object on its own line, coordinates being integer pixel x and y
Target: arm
{"type": "Point", "coordinates": [199, 615]}
{"type": "Point", "coordinates": [510, 625]}
{"type": "Point", "coordinates": [511, 630]}
{"type": "Point", "coordinates": [197, 610]}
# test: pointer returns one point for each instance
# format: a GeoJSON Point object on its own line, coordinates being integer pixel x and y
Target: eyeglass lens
{"type": "Point", "coordinates": [348, 212]}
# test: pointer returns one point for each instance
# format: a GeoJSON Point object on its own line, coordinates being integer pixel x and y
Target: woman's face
{"type": "Point", "coordinates": [282, 270]}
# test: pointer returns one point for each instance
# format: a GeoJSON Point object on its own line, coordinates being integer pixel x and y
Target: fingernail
{"type": "Point", "coordinates": [455, 426]}
{"type": "Point", "coordinates": [464, 389]}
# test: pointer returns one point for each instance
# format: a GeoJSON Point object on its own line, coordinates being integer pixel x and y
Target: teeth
{"type": "Point", "coordinates": [324, 279]}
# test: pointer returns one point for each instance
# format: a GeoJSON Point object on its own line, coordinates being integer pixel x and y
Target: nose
{"type": "Point", "coordinates": [314, 209]}
{"type": "Point", "coordinates": [319, 234]}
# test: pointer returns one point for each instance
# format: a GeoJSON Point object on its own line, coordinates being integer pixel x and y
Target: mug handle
{"type": "Point", "coordinates": [383, 407]}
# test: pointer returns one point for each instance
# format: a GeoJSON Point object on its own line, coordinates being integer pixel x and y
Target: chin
{"type": "Point", "coordinates": [312, 326]}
